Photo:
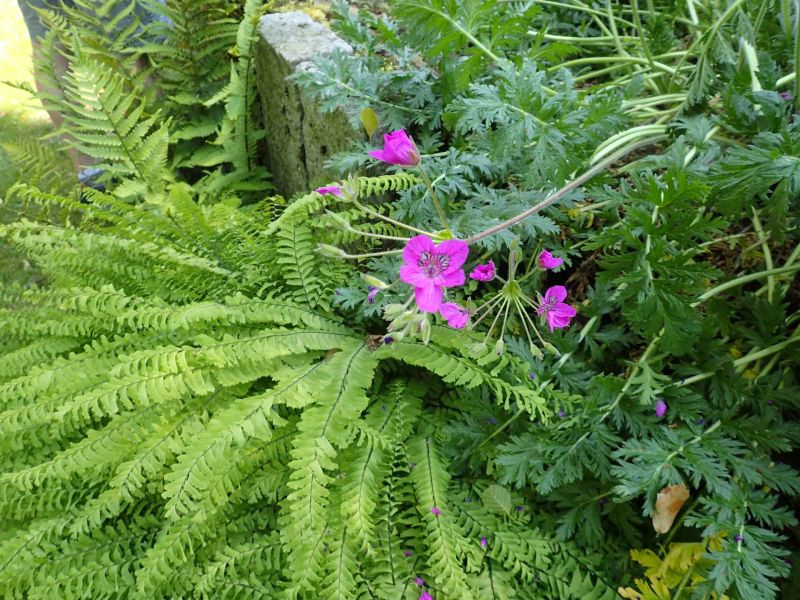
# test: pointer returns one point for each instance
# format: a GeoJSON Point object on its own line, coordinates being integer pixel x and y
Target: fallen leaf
{"type": "Point", "coordinates": [668, 505]}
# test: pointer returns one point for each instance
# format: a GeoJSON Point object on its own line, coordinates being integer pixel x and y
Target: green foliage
{"type": "Point", "coordinates": [194, 402]}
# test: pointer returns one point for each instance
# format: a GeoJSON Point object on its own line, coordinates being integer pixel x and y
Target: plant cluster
{"type": "Point", "coordinates": [552, 353]}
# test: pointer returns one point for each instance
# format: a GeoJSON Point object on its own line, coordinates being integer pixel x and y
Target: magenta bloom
{"type": "Point", "coordinates": [373, 291]}
{"type": "Point", "coordinates": [425, 596]}
{"type": "Point", "coordinates": [408, 553]}
{"type": "Point", "coordinates": [436, 511]}
{"type": "Point", "coordinates": [484, 542]}
{"type": "Point", "coordinates": [419, 581]}
{"type": "Point", "coordinates": [455, 315]}
{"type": "Point", "coordinates": [398, 149]}
{"type": "Point", "coordinates": [333, 190]}
{"type": "Point", "coordinates": [552, 306]}
{"type": "Point", "coordinates": [431, 268]}
{"type": "Point", "coordinates": [483, 272]}
{"type": "Point", "coordinates": [661, 408]}
{"type": "Point", "coordinates": [548, 261]}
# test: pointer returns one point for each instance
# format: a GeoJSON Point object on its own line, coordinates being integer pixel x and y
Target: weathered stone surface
{"type": "Point", "coordinates": [300, 137]}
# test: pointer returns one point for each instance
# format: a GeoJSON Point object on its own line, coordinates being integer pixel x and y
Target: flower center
{"type": "Point", "coordinates": [549, 303]}
{"type": "Point", "coordinates": [433, 265]}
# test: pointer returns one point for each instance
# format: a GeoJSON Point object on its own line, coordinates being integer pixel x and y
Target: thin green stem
{"type": "Point", "coordinates": [435, 200]}
{"type": "Point", "coordinates": [745, 279]}
{"type": "Point", "coordinates": [645, 46]}
{"type": "Point", "coordinates": [583, 8]}
{"type": "Point", "coordinates": [797, 56]}
{"type": "Point", "coordinates": [377, 215]}
{"type": "Point", "coordinates": [371, 254]}
{"type": "Point", "coordinates": [709, 39]}
{"type": "Point", "coordinates": [786, 13]}
{"type": "Point", "coordinates": [767, 255]}
{"type": "Point", "coordinates": [745, 360]}
{"type": "Point", "coordinates": [552, 198]}
{"type": "Point", "coordinates": [503, 309]}
{"type": "Point", "coordinates": [494, 302]}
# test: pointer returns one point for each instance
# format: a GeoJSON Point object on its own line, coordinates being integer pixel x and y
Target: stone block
{"type": "Point", "coordinates": [299, 136]}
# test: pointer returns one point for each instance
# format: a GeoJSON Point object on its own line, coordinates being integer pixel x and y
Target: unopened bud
{"type": "Point", "coordinates": [536, 352]}
{"type": "Point", "coordinates": [424, 328]}
{"type": "Point", "coordinates": [338, 220]}
{"type": "Point", "coordinates": [331, 251]}
{"type": "Point", "coordinates": [375, 282]}
{"type": "Point", "coordinates": [352, 186]}
{"type": "Point", "coordinates": [551, 349]}
{"type": "Point", "coordinates": [392, 311]}
{"type": "Point", "coordinates": [499, 347]}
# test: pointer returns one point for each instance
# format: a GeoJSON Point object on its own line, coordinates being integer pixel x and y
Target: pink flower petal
{"type": "Point", "coordinates": [381, 155]}
{"type": "Point", "coordinates": [452, 279]}
{"type": "Point", "coordinates": [412, 275]}
{"type": "Point", "coordinates": [457, 250]}
{"type": "Point", "coordinates": [429, 297]}
{"type": "Point", "coordinates": [557, 292]}
{"type": "Point", "coordinates": [333, 190]}
{"type": "Point", "coordinates": [547, 261]}
{"type": "Point", "coordinates": [415, 247]}
{"type": "Point", "coordinates": [398, 149]}
{"type": "Point", "coordinates": [564, 310]}
{"type": "Point", "coordinates": [456, 316]}
{"type": "Point", "coordinates": [483, 272]}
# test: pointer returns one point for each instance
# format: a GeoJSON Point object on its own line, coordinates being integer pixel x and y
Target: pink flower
{"type": "Point", "coordinates": [484, 542]}
{"type": "Point", "coordinates": [419, 581]}
{"type": "Point", "coordinates": [552, 306]}
{"type": "Point", "coordinates": [661, 408]}
{"type": "Point", "coordinates": [548, 261]}
{"type": "Point", "coordinates": [436, 511]}
{"type": "Point", "coordinates": [333, 190]}
{"type": "Point", "coordinates": [425, 596]}
{"type": "Point", "coordinates": [373, 291]}
{"type": "Point", "coordinates": [430, 268]}
{"type": "Point", "coordinates": [455, 315]}
{"type": "Point", "coordinates": [398, 149]}
{"type": "Point", "coordinates": [483, 272]}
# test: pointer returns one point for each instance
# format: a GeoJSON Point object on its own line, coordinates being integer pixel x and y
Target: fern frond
{"type": "Point", "coordinates": [463, 371]}
{"type": "Point", "coordinates": [338, 398]}
{"type": "Point", "coordinates": [108, 122]}
{"type": "Point", "coordinates": [447, 547]}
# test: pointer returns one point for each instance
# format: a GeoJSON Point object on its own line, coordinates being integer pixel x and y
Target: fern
{"type": "Point", "coordinates": [108, 123]}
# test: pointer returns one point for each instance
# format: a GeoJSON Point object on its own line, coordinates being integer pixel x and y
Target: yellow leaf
{"type": "Point", "coordinates": [668, 505]}
{"type": "Point", "coordinates": [369, 120]}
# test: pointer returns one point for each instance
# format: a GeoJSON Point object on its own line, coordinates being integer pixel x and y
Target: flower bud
{"type": "Point", "coordinates": [392, 311]}
{"type": "Point", "coordinates": [331, 251]}
{"type": "Point", "coordinates": [535, 351]}
{"type": "Point", "coordinates": [424, 328]}
{"type": "Point", "coordinates": [338, 220]}
{"type": "Point", "coordinates": [551, 349]}
{"type": "Point", "coordinates": [499, 347]}
{"type": "Point", "coordinates": [352, 187]}
{"type": "Point", "coordinates": [374, 282]}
